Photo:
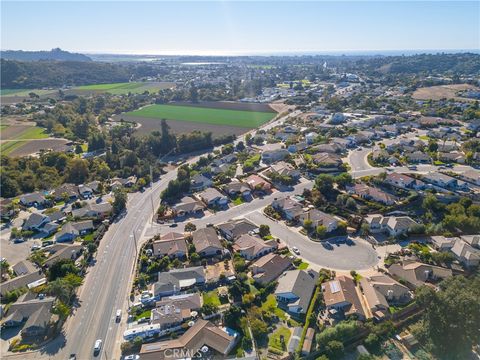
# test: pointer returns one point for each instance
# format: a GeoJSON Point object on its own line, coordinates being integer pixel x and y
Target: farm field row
{"type": "Point", "coordinates": [125, 88]}
{"type": "Point", "coordinates": [213, 116]}
{"type": "Point", "coordinates": [20, 136]}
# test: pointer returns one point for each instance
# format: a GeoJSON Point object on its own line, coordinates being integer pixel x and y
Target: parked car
{"type": "Point", "coordinates": [143, 320]}
{"type": "Point", "coordinates": [174, 225]}
{"type": "Point", "coordinates": [118, 316]}
{"type": "Point", "coordinates": [132, 357]}
{"type": "Point", "coordinates": [35, 247]}
{"type": "Point", "coordinates": [295, 250]}
{"type": "Point", "coordinates": [73, 357]}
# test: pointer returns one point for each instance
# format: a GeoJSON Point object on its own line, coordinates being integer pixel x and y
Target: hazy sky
{"type": "Point", "coordinates": [225, 27]}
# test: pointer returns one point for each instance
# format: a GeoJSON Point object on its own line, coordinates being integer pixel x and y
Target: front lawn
{"type": "Point", "coordinates": [211, 298]}
{"type": "Point", "coordinates": [270, 305]}
{"type": "Point", "coordinates": [238, 201]}
{"type": "Point", "coordinates": [146, 313]}
{"type": "Point", "coordinates": [275, 340]}
{"type": "Point", "coordinates": [303, 266]}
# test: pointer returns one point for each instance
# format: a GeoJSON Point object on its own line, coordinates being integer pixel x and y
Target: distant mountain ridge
{"type": "Point", "coordinates": [54, 54]}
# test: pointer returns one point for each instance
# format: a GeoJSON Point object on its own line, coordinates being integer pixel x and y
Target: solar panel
{"type": "Point", "coordinates": [334, 287]}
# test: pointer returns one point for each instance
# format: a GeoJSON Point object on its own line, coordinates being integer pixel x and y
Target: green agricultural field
{"type": "Point", "coordinates": [237, 118]}
{"type": "Point", "coordinates": [21, 139]}
{"type": "Point", "coordinates": [125, 88]}
{"type": "Point", "coordinates": [24, 92]}
{"type": "Point", "coordinates": [32, 133]}
{"type": "Point", "coordinates": [7, 147]}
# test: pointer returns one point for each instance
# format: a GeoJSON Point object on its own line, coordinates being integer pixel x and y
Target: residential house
{"type": "Point", "coordinates": [49, 228]}
{"type": "Point", "coordinates": [69, 191]}
{"type": "Point", "coordinates": [34, 199]}
{"type": "Point", "coordinates": [465, 253]}
{"type": "Point", "coordinates": [392, 225]}
{"type": "Point", "coordinates": [285, 169]}
{"type": "Point", "coordinates": [418, 157]}
{"type": "Point", "coordinates": [443, 180]}
{"type": "Point", "coordinates": [85, 191]}
{"type": "Point", "coordinates": [188, 206]}
{"type": "Point", "coordinates": [172, 245]}
{"type": "Point", "coordinates": [24, 267]}
{"type": "Point", "coordinates": [269, 267]}
{"type": "Point", "coordinates": [257, 183]}
{"type": "Point", "coordinates": [331, 148]}
{"type": "Point", "coordinates": [340, 295]}
{"type": "Point", "coordinates": [325, 159]}
{"type": "Point", "coordinates": [251, 247]}
{"type": "Point", "coordinates": [472, 176]}
{"type": "Point", "coordinates": [35, 222]}
{"type": "Point", "coordinates": [237, 188]}
{"type": "Point", "coordinates": [289, 208]}
{"type": "Point", "coordinates": [203, 334]}
{"type": "Point", "coordinates": [200, 182]}
{"type": "Point", "coordinates": [213, 197]}
{"type": "Point", "coordinates": [206, 242]}
{"type": "Point", "coordinates": [381, 291]}
{"type": "Point", "coordinates": [63, 251]}
{"type": "Point", "coordinates": [457, 157]}
{"type": "Point", "coordinates": [23, 281]}
{"type": "Point", "coordinates": [415, 273]}
{"type": "Point", "coordinates": [72, 230]}
{"type": "Point", "coordinates": [441, 243]}
{"type": "Point", "coordinates": [172, 311]}
{"type": "Point", "coordinates": [319, 218]}
{"type": "Point", "coordinates": [370, 193]}
{"type": "Point", "coordinates": [311, 137]}
{"type": "Point", "coordinates": [177, 280]}
{"type": "Point", "coordinates": [271, 156]}
{"type": "Point", "coordinates": [35, 315]}
{"type": "Point", "coordinates": [404, 181]}
{"type": "Point", "coordinates": [297, 147]}
{"type": "Point", "coordinates": [97, 211]}
{"type": "Point", "coordinates": [233, 229]}
{"type": "Point", "coordinates": [295, 290]}
{"type": "Point", "coordinates": [473, 240]}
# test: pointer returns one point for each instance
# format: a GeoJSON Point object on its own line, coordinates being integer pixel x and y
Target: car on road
{"type": "Point", "coordinates": [173, 225]}
{"type": "Point", "coordinates": [209, 225]}
{"type": "Point", "coordinates": [118, 316]}
{"type": "Point", "coordinates": [449, 165]}
{"type": "Point", "coordinates": [295, 250]}
{"type": "Point", "coordinates": [73, 357]}
{"type": "Point", "coordinates": [36, 247]}
{"type": "Point", "coordinates": [359, 149]}
{"type": "Point", "coordinates": [412, 167]}
{"type": "Point", "coordinates": [97, 347]}
{"type": "Point", "coordinates": [18, 240]}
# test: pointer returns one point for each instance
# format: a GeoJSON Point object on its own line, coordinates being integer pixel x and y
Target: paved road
{"type": "Point", "coordinates": [107, 284]}
{"type": "Point", "coordinates": [358, 256]}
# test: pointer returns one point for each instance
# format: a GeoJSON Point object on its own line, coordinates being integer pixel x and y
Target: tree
{"type": "Point", "coordinates": [451, 316]}
{"type": "Point", "coordinates": [321, 231]}
{"type": "Point", "coordinates": [194, 257]}
{"type": "Point", "coordinates": [189, 227]}
{"type": "Point", "coordinates": [334, 349]}
{"type": "Point", "coordinates": [264, 230]}
{"type": "Point", "coordinates": [365, 229]}
{"type": "Point", "coordinates": [120, 201]}
{"type": "Point", "coordinates": [208, 309]}
{"type": "Point", "coordinates": [324, 183]}
{"type": "Point", "coordinates": [259, 328]}
{"type": "Point", "coordinates": [307, 224]}
{"type": "Point", "coordinates": [77, 171]}
{"type": "Point", "coordinates": [61, 268]}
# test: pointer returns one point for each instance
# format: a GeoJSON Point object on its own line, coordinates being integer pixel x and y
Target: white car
{"type": "Point", "coordinates": [295, 250]}
{"type": "Point", "coordinates": [131, 357]}
{"type": "Point", "coordinates": [118, 315]}
{"type": "Point", "coordinates": [97, 347]}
